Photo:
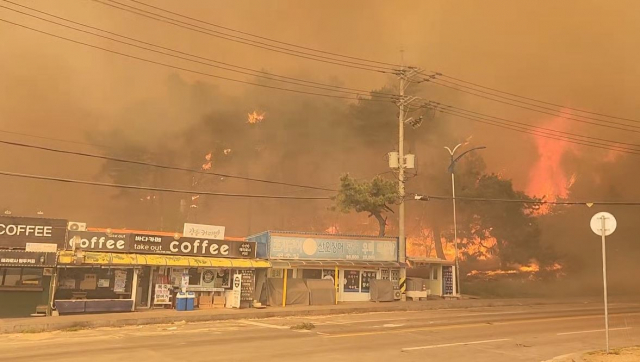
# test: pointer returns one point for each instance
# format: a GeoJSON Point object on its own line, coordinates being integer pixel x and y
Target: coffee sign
{"type": "Point", "coordinates": [15, 232]}
{"type": "Point", "coordinates": [153, 244]}
{"type": "Point", "coordinates": [97, 241]}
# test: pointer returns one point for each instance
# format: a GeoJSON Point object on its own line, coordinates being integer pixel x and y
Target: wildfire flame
{"type": "Point", "coordinates": [207, 165]}
{"type": "Point", "coordinates": [333, 229]}
{"type": "Point", "coordinates": [547, 178]}
{"type": "Point", "coordinates": [255, 117]}
{"type": "Point", "coordinates": [226, 151]}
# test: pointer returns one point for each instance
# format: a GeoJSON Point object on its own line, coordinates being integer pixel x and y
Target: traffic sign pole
{"type": "Point", "coordinates": [604, 277]}
{"type": "Point", "coordinates": [603, 224]}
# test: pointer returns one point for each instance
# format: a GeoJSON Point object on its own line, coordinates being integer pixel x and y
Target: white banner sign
{"type": "Point", "coordinates": [41, 247]}
{"type": "Point", "coordinates": [237, 289]}
{"type": "Point", "coordinates": [203, 231]}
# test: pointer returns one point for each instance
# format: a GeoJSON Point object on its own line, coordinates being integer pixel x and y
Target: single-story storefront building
{"type": "Point", "coordinates": [355, 260]}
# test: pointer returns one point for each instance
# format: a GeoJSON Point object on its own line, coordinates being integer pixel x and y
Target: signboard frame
{"type": "Point", "coordinates": [318, 248]}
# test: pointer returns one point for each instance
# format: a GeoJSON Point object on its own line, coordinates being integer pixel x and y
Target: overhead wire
{"type": "Point", "coordinates": [159, 189]}
{"type": "Point", "coordinates": [296, 81]}
{"type": "Point", "coordinates": [537, 100]}
{"type": "Point", "coordinates": [155, 165]}
{"type": "Point", "coordinates": [542, 134]}
{"type": "Point", "coordinates": [262, 37]}
{"type": "Point", "coordinates": [524, 201]}
{"type": "Point", "coordinates": [527, 103]}
{"type": "Point", "coordinates": [187, 69]}
{"type": "Point", "coordinates": [54, 139]}
{"type": "Point", "coordinates": [536, 127]}
{"type": "Point", "coordinates": [635, 129]}
{"type": "Point", "coordinates": [217, 34]}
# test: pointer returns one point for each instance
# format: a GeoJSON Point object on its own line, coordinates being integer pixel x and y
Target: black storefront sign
{"type": "Point", "coordinates": [98, 241]}
{"type": "Point", "coordinates": [16, 232]}
{"type": "Point", "coordinates": [27, 258]}
{"type": "Point", "coordinates": [154, 244]}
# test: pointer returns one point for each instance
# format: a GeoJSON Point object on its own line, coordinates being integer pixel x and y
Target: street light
{"type": "Point", "coordinates": [453, 193]}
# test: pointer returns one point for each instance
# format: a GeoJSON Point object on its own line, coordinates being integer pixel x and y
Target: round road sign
{"type": "Point", "coordinates": [609, 223]}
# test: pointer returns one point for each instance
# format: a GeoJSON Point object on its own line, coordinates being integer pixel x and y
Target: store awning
{"type": "Point", "coordinates": [97, 258]}
{"type": "Point", "coordinates": [333, 263]}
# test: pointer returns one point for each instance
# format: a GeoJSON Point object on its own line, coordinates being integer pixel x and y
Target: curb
{"type": "Point", "coordinates": [46, 324]}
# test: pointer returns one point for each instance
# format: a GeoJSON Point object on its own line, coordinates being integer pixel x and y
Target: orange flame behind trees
{"type": "Point", "coordinates": [547, 178]}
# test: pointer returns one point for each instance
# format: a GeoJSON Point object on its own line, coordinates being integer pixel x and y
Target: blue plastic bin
{"type": "Point", "coordinates": [181, 302]}
{"type": "Point", "coordinates": [191, 298]}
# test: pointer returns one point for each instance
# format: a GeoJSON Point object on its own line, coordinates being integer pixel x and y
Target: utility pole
{"type": "Point", "coordinates": [402, 248]}
{"type": "Point", "coordinates": [404, 75]}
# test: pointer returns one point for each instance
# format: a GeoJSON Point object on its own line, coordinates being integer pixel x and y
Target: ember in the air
{"type": "Point", "coordinates": [255, 117]}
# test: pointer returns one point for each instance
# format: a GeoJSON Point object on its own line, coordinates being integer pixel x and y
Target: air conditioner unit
{"type": "Point", "coordinates": [397, 295]}
{"type": "Point", "coordinates": [77, 226]}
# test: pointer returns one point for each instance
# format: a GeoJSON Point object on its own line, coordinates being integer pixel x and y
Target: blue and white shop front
{"type": "Point", "coordinates": [356, 259]}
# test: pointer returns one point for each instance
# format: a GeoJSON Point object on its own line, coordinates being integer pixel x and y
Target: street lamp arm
{"type": "Point", "coordinates": [451, 152]}
{"type": "Point", "coordinates": [453, 161]}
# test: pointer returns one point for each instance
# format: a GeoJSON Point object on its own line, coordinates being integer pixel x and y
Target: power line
{"type": "Point", "coordinates": [54, 139]}
{"type": "Point", "coordinates": [529, 104]}
{"type": "Point", "coordinates": [159, 189]}
{"type": "Point", "coordinates": [637, 130]}
{"type": "Point", "coordinates": [264, 38]}
{"type": "Point", "coordinates": [536, 127]}
{"type": "Point", "coordinates": [186, 69]}
{"type": "Point", "coordinates": [541, 134]}
{"type": "Point", "coordinates": [269, 76]}
{"type": "Point", "coordinates": [213, 33]}
{"type": "Point", "coordinates": [520, 201]}
{"type": "Point", "coordinates": [166, 167]}
{"type": "Point", "coordinates": [537, 100]}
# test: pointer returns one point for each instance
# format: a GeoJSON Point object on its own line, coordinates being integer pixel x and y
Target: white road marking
{"type": "Point", "coordinates": [392, 325]}
{"type": "Point", "coordinates": [592, 331]}
{"type": "Point", "coordinates": [368, 320]}
{"type": "Point", "coordinates": [266, 325]}
{"type": "Point", "coordinates": [454, 344]}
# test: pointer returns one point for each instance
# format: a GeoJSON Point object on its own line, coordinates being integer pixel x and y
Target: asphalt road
{"type": "Point", "coordinates": [524, 333]}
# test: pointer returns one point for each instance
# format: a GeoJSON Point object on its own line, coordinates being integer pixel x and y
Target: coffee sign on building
{"type": "Point", "coordinates": [192, 246]}
{"type": "Point", "coordinates": [16, 232]}
{"type": "Point", "coordinates": [97, 241]}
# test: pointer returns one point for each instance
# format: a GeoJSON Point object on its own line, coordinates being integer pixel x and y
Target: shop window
{"type": "Point", "coordinates": [352, 283]}
{"type": "Point", "coordinates": [31, 276]}
{"type": "Point", "coordinates": [367, 276]}
{"type": "Point", "coordinates": [11, 277]}
{"type": "Point", "coordinates": [194, 276]}
{"type": "Point", "coordinates": [312, 273]}
{"type": "Point", "coordinates": [434, 273]}
{"type": "Point", "coordinates": [15, 277]}
{"type": "Point", "coordinates": [329, 274]}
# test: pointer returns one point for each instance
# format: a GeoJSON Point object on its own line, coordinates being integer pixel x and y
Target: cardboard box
{"type": "Point", "coordinates": [206, 306]}
{"type": "Point", "coordinates": [205, 300]}
{"type": "Point", "coordinates": [218, 300]}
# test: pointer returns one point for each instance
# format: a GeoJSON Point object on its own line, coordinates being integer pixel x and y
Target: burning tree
{"type": "Point", "coordinates": [373, 197]}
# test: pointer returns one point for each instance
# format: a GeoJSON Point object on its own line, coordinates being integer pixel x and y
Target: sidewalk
{"type": "Point", "coordinates": [160, 316]}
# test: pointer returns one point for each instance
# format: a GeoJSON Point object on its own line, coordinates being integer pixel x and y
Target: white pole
{"type": "Point", "coordinates": [134, 289]}
{"type": "Point", "coordinates": [604, 277]}
{"type": "Point", "coordinates": [455, 236]}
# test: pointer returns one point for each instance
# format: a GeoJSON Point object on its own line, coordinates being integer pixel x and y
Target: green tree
{"type": "Point", "coordinates": [373, 197]}
{"type": "Point", "coordinates": [513, 225]}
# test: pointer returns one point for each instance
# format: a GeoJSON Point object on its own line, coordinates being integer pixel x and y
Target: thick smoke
{"type": "Point", "coordinates": [145, 112]}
